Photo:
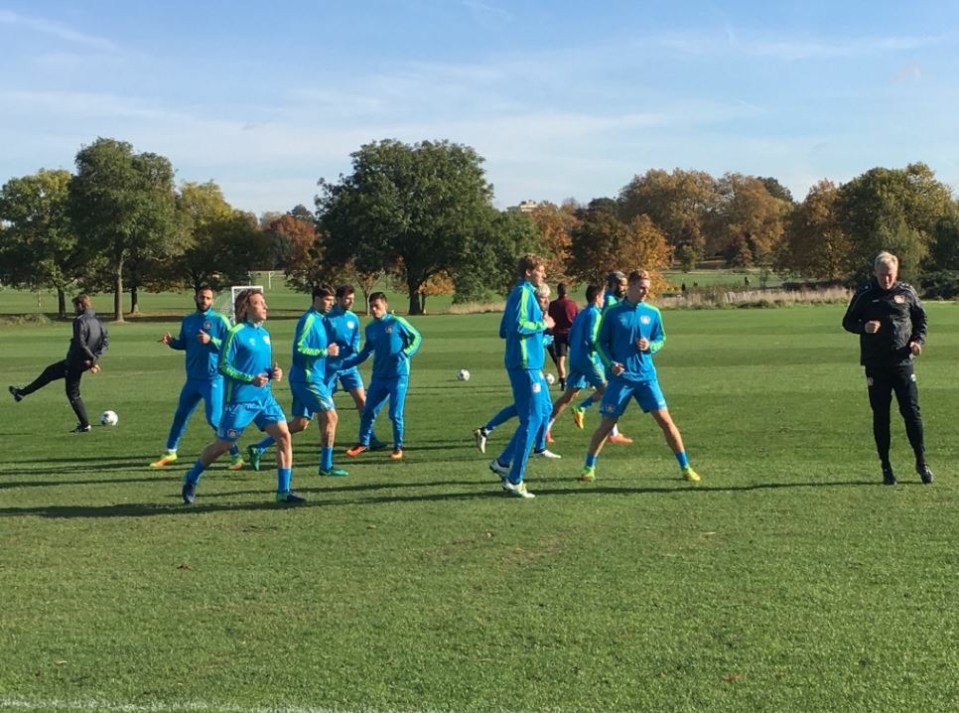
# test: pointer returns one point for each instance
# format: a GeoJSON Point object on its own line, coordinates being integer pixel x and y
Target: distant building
{"type": "Point", "coordinates": [528, 206]}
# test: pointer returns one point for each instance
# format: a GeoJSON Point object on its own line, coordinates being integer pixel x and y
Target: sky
{"type": "Point", "coordinates": [561, 99]}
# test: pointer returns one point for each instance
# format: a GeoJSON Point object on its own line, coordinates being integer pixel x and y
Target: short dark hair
{"type": "Point", "coordinates": [591, 292]}
{"type": "Point", "coordinates": [561, 289]}
{"type": "Point", "coordinates": [376, 297]}
{"type": "Point", "coordinates": [344, 290]}
{"type": "Point", "coordinates": [202, 288]}
{"type": "Point", "coordinates": [322, 291]}
{"type": "Point", "coordinates": [614, 278]}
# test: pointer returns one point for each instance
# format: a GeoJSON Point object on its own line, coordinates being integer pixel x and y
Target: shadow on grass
{"type": "Point", "coordinates": [486, 489]}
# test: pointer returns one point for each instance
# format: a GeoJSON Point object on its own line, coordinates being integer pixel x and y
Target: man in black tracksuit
{"type": "Point", "coordinates": [891, 324]}
{"type": "Point", "coordinates": [87, 345]}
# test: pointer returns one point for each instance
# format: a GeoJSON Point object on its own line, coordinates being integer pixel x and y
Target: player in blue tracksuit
{"type": "Point", "coordinates": [630, 332]}
{"type": "Point", "coordinates": [246, 360]}
{"type": "Point", "coordinates": [585, 368]}
{"type": "Point", "coordinates": [392, 341]}
{"type": "Point", "coordinates": [481, 434]}
{"type": "Point", "coordinates": [522, 326]}
{"type": "Point", "coordinates": [201, 335]}
{"type": "Point", "coordinates": [345, 330]}
{"type": "Point", "coordinates": [615, 292]}
{"type": "Point", "coordinates": [313, 349]}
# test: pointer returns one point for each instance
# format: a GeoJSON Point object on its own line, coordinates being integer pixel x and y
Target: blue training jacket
{"type": "Point", "coordinates": [582, 338]}
{"type": "Point", "coordinates": [392, 341]}
{"type": "Point", "coordinates": [246, 354]}
{"type": "Point", "coordinates": [201, 359]}
{"type": "Point", "coordinates": [310, 341]}
{"type": "Point", "coordinates": [620, 327]}
{"type": "Point", "coordinates": [522, 326]}
{"type": "Point", "coordinates": [345, 328]}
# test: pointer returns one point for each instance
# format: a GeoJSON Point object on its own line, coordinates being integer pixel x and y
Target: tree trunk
{"type": "Point", "coordinates": [414, 292]}
{"type": "Point", "coordinates": [134, 301]}
{"type": "Point", "coordinates": [118, 294]}
{"type": "Point", "coordinates": [61, 303]}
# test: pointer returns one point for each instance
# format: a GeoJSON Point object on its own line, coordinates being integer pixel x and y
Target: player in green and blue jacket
{"type": "Point", "coordinates": [392, 341]}
{"type": "Point", "coordinates": [201, 335]}
{"type": "Point", "coordinates": [246, 362]}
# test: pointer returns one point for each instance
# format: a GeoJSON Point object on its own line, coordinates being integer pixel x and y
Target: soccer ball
{"type": "Point", "coordinates": [550, 379]}
{"type": "Point", "coordinates": [109, 418]}
{"type": "Point", "coordinates": [463, 375]}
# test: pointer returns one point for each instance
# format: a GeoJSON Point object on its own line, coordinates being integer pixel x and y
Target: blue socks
{"type": "Point", "coordinates": [591, 460]}
{"type": "Point", "coordinates": [193, 475]}
{"type": "Point", "coordinates": [265, 443]}
{"type": "Point", "coordinates": [683, 460]}
{"type": "Point", "coordinates": [283, 478]}
{"type": "Point", "coordinates": [326, 458]}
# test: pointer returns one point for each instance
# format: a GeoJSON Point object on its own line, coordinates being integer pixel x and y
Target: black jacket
{"type": "Point", "coordinates": [901, 320]}
{"type": "Point", "coordinates": [89, 340]}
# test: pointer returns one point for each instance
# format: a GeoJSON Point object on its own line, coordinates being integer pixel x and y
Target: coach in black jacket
{"type": "Point", "coordinates": [87, 345]}
{"type": "Point", "coordinates": [891, 324]}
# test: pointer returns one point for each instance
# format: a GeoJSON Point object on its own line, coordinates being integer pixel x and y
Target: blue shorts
{"type": "Point", "coordinates": [308, 399]}
{"type": "Point", "coordinates": [237, 417]}
{"type": "Point", "coordinates": [349, 380]}
{"type": "Point", "coordinates": [580, 378]}
{"type": "Point", "coordinates": [618, 392]}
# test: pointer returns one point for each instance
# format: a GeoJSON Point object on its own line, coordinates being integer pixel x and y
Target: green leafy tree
{"type": "Point", "coordinates": [38, 247]}
{"type": "Point", "coordinates": [489, 265]}
{"type": "Point", "coordinates": [122, 206]}
{"type": "Point", "coordinates": [416, 207]}
{"type": "Point", "coordinates": [895, 210]}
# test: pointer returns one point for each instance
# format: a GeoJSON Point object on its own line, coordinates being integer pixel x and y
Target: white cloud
{"type": "Point", "coordinates": [55, 29]}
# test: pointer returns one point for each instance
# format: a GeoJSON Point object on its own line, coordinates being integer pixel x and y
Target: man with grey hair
{"type": "Point", "coordinates": [891, 324]}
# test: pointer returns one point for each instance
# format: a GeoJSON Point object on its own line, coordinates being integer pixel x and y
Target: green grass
{"type": "Point", "coordinates": [789, 580]}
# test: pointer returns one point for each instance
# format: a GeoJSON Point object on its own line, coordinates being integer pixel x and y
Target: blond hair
{"type": "Point", "coordinates": [885, 258]}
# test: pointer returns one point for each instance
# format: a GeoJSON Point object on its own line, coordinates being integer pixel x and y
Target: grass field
{"type": "Point", "coordinates": [789, 580]}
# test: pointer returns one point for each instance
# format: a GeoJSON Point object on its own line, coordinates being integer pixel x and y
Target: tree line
{"type": "Point", "coordinates": [422, 217]}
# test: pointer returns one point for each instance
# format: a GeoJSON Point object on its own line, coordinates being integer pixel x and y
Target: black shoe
{"type": "Point", "coordinates": [189, 493]}
{"type": "Point", "coordinates": [82, 428]}
{"type": "Point", "coordinates": [17, 396]}
{"type": "Point", "coordinates": [888, 477]}
{"type": "Point", "coordinates": [925, 473]}
{"type": "Point", "coordinates": [562, 384]}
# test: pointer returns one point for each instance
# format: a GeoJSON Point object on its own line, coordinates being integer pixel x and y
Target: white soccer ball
{"type": "Point", "coordinates": [109, 418]}
{"type": "Point", "coordinates": [550, 379]}
{"type": "Point", "coordinates": [463, 375]}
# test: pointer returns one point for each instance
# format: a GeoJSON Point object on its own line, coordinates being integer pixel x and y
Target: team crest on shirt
{"type": "Point", "coordinates": [389, 330]}
{"type": "Point", "coordinates": [266, 338]}
{"type": "Point", "coordinates": [899, 299]}
{"type": "Point", "coordinates": [645, 319]}
{"type": "Point", "coordinates": [537, 387]}
{"type": "Point", "coordinates": [207, 325]}
{"type": "Point", "coordinates": [351, 324]}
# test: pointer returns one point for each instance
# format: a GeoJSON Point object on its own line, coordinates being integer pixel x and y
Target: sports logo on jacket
{"type": "Point", "coordinates": [899, 299]}
{"type": "Point", "coordinates": [645, 319]}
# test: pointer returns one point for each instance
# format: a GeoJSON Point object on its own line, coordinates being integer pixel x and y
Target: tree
{"type": "Point", "coordinates": [416, 207]}
{"type": "Point", "coordinates": [678, 203]}
{"type": "Point", "coordinates": [556, 225]}
{"type": "Point", "coordinates": [282, 233]}
{"type": "Point", "coordinates": [603, 243]}
{"type": "Point", "coordinates": [813, 243]}
{"type": "Point", "coordinates": [122, 206]}
{"type": "Point", "coordinates": [490, 260]}
{"type": "Point", "coordinates": [39, 248]}
{"type": "Point", "coordinates": [226, 244]}
{"type": "Point", "coordinates": [895, 210]}
{"type": "Point", "coordinates": [747, 225]}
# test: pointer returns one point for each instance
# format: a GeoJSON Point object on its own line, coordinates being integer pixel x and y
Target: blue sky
{"type": "Point", "coordinates": [563, 100]}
